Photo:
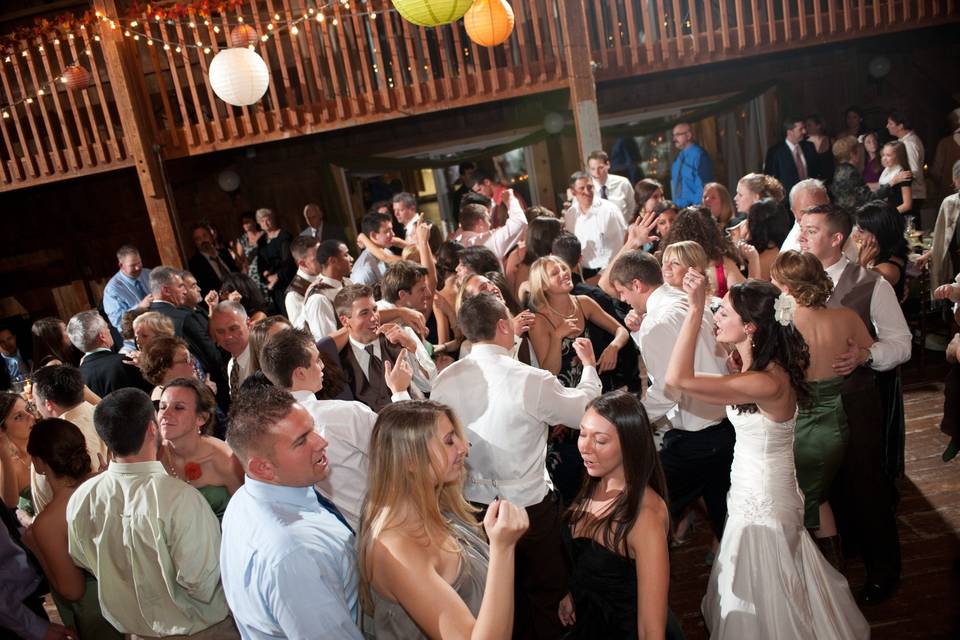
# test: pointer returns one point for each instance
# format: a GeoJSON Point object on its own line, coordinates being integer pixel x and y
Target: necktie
{"type": "Point", "coordinates": [375, 369]}
{"type": "Point", "coordinates": [798, 159]}
{"type": "Point", "coordinates": [603, 191]}
{"type": "Point", "coordinates": [234, 380]}
{"type": "Point", "coordinates": [141, 292]}
{"type": "Point", "coordinates": [317, 232]}
{"type": "Point", "coordinates": [332, 508]}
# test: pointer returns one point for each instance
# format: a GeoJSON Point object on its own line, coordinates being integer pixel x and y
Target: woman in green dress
{"type": "Point", "coordinates": [59, 452]}
{"type": "Point", "coordinates": [820, 437]}
{"type": "Point", "coordinates": [187, 416]}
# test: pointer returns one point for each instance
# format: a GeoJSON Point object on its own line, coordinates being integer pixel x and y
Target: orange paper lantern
{"type": "Point", "coordinates": [75, 77]}
{"type": "Point", "coordinates": [489, 22]}
{"type": "Point", "coordinates": [244, 36]}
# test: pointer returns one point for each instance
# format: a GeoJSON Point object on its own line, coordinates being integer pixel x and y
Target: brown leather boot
{"type": "Point", "coordinates": [830, 548]}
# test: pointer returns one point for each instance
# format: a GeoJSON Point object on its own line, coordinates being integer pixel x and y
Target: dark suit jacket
{"type": "Point", "coordinates": [330, 231]}
{"type": "Point", "coordinates": [106, 371]}
{"type": "Point", "coordinates": [780, 164]}
{"type": "Point", "coordinates": [206, 277]}
{"type": "Point", "coordinates": [193, 330]}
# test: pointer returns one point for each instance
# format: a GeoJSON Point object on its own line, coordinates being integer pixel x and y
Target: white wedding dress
{"type": "Point", "coordinates": [769, 580]}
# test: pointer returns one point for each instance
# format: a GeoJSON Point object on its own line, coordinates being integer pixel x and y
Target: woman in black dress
{"type": "Point", "coordinates": [273, 256]}
{"type": "Point", "coordinates": [617, 529]}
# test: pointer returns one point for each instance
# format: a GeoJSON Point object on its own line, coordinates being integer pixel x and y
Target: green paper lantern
{"type": "Point", "coordinates": [432, 13]}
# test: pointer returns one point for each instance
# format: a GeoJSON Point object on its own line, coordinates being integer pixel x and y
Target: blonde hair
{"type": "Point", "coordinates": [764, 186]}
{"type": "Point", "coordinates": [411, 252]}
{"type": "Point", "coordinates": [404, 469]}
{"type": "Point", "coordinates": [689, 254]}
{"type": "Point", "coordinates": [539, 282]}
{"type": "Point", "coordinates": [462, 292]}
{"type": "Point", "coordinates": [843, 149]}
{"type": "Point", "coordinates": [156, 322]}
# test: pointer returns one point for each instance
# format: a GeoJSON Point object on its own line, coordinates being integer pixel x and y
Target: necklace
{"type": "Point", "coordinates": [19, 455]}
{"type": "Point", "coordinates": [568, 316]}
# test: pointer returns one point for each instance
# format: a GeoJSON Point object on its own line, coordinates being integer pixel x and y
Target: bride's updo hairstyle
{"type": "Point", "coordinates": [804, 276]}
{"type": "Point", "coordinates": [62, 447]}
{"type": "Point", "coordinates": [772, 342]}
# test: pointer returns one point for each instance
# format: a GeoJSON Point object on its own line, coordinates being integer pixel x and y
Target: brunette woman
{"type": "Point", "coordinates": [883, 247]}
{"type": "Point", "coordinates": [872, 166]}
{"type": "Point", "coordinates": [426, 570]}
{"type": "Point", "coordinates": [717, 199]}
{"type": "Point", "coordinates": [245, 249]}
{"type": "Point", "coordinates": [16, 421]}
{"type": "Point", "coordinates": [51, 344]}
{"type": "Point", "coordinates": [648, 193]}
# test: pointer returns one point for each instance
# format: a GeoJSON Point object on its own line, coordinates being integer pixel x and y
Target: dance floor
{"type": "Point", "coordinates": [926, 604]}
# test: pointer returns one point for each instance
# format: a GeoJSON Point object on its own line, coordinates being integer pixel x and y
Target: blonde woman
{"type": "Point", "coordinates": [147, 327]}
{"type": "Point", "coordinates": [562, 317]}
{"type": "Point", "coordinates": [426, 571]}
{"type": "Point", "coordinates": [756, 186]}
{"type": "Point", "coordinates": [681, 256]}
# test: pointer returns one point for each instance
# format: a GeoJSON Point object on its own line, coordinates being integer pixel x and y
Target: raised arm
{"type": "Point", "coordinates": [638, 234]}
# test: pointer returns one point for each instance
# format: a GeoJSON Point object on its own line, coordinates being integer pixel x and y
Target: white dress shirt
{"type": "Point", "coordinates": [894, 341]}
{"type": "Point", "coordinates": [501, 239]}
{"type": "Point", "coordinates": [410, 229]}
{"type": "Point", "coordinates": [424, 369]}
{"type": "Point", "coordinates": [244, 362]}
{"type": "Point", "coordinates": [601, 231]}
{"type": "Point", "coordinates": [658, 334]}
{"type": "Point", "coordinates": [346, 426]}
{"type": "Point", "coordinates": [506, 408]}
{"type": "Point", "coordinates": [620, 192]}
{"type": "Point", "coordinates": [293, 302]}
{"type": "Point", "coordinates": [793, 154]}
{"type": "Point", "coordinates": [914, 147]}
{"type": "Point", "coordinates": [318, 312]}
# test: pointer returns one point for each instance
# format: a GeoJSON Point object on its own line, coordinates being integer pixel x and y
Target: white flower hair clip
{"type": "Point", "coordinates": [784, 307]}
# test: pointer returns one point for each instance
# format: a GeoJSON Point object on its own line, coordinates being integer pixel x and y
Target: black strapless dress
{"type": "Point", "coordinates": [604, 589]}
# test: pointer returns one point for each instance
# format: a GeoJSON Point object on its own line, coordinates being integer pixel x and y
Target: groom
{"type": "Point", "coordinates": [697, 450]}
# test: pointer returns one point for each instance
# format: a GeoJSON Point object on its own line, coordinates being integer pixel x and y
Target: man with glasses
{"type": "Point", "coordinates": [692, 168]}
{"type": "Point", "coordinates": [597, 223]}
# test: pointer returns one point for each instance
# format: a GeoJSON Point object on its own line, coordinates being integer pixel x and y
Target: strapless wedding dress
{"type": "Point", "coordinates": [769, 580]}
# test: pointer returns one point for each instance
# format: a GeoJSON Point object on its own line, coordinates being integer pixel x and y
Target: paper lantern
{"type": "Point", "coordinates": [75, 77]}
{"type": "Point", "coordinates": [239, 76]}
{"type": "Point", "coordinates": [431, 13]}
{"type": "Point", "coordinates": [489, 22]}
{"type": "Point", "coordinates": [244, 36]}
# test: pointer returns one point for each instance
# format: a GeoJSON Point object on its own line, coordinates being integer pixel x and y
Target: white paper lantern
{"type": "Point", "coordinates": [239, 76]}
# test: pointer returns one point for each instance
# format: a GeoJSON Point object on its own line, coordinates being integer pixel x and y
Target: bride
{"type": "Point", "coordinates": [769, 579]}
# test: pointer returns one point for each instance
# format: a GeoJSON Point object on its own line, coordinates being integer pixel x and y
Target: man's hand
{"type": "Point", "coordinates": [236, 296]}
{"type": "Point", "coordinates": [398, 376]}
{"type": "Point", "coordinates": [584, 349]}
{"type": "Point", "coordinates": [523, 321]}
{"type": "Point", "coordinates": [846, 362]}
{"type": "Point", "coordinates": [633, 321]}
{"type": "Point", "coordinates": [413, 319]}
{"type": "Point", "coordinates": [949, 292]}
{"type": "Point", "coordinates": [212, 298]}
{"type": "Point", "coordinates": [396, 335]}
{"type": "Point", "coordinates": [146, 302]}
{"type": "Point", "coordinates": [640, 231]}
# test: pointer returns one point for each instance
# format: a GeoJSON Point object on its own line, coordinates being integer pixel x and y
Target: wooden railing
{"type": "Point", "coordinates": [366, 64]}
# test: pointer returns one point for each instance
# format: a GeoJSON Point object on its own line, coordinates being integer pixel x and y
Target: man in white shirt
{"type": "Point", "coordinates": [476, 229]}
{"type": "Point", "coordinates": [335, 263]}
{"type": "Point", "coordinates": [230, 329]}
{"type": "Point", "coordinates": [291, 361]}
{"type": "Point", "coordinates": [506, 408]}
{"type": "Point", "coordinates": [405, 211]}
{"type": "Point", "coordinates": [864, 495]}
{"type": "Point", "coordinates": [805, 194]}
{"type": "Point", "coordinates": [607, 186]}
{"type": "Point", "coordinates": [899, 125]}
{"type": "Point", "coordinates": [597, 223]}
{"type": "Point", "coordinates": [371, 345]}
{"type": "Point", "coordinates": [304, 252]}
{"type": "Point", "coordinates": [697, 449]}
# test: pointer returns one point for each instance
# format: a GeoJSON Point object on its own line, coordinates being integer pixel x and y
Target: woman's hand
{"type": "Point", "coordinates": [212, 299]}
{"type": "Point", "coordinates": [505, 523]}
{"type": "Point", "coordinates": [869, 250]}
{"type": "Point", "coordinates": [568, 328]}
{"type": "Point", "coordinates": [523, 321]}
{"type": "Point", "coordinates": [568, 616]}
{"type": "Point", "coordinates": [695, 284]}
{"type": "Point", "coordinates": [608, 359]}
{"type": "Point", "coordinates": [903, 176]}
{"type": "Point", "coordinates": [949, 292]}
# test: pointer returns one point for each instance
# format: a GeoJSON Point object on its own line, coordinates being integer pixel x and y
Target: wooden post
{"type": "Point", "coordinates": [583, 87]}
{"type": "Point", "coordinates": [138, 136]}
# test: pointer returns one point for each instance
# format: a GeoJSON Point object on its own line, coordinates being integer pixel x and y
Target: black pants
{"type": "Point", "coordinates": [863, 497]}
{"type": "Point", "coordinates": [542, 573]}
{"type": "Point", "coordinates": [697, 463]}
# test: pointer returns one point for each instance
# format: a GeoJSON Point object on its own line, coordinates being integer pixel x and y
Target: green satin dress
{"type": "Point", "coordinates": [218, 497]}
{"type": "Point", "coordinates": [820, 440]}
{"type": "Point", "coordinates": [85, 616]}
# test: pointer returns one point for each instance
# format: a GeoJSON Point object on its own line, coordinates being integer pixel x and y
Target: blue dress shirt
{"type": "Point", "coordinates": [288, 565]}
{"type": "Point", "coordinates": [17, 367]}
{"type": "Point", "coordinates": [691, 169]}
{"type": "Point", "coordinates": [123, 293]}
{"type": "Point", "coordinates": [367, 269]}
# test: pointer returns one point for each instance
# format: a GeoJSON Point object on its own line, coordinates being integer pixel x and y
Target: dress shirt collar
{"type": "Point", "coordinates": [488, 349]}
{"type": "Point", "coordinates": [306, 276]}
{"type": "Point", "coordinates": [411, 226]}
{"type": "Point", "coordinates": [791, 146]}
{"type": "Point", "coordinates": [271, 493]}
{"type": "Point", "coordinates": [243, 359]}
{"type": "Point", "coordinates": [136, 468]}
{"type": "Point", "coordinates": [127, 279]}
{"type": "Point", "coordinates": [361, 346]}
{"type": "Point", "coordinates": [303, 395]}
{"type": "Point", "coordinates": [333, 282]}
{"type": "Point", "coordinates": [835, 270]}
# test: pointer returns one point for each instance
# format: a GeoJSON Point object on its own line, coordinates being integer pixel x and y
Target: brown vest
{"type": "Point", "coordinates": [373, 393]}
{"type": "Point", "coordinates": [298, 285]}
{"type": "Point", "coordinates": [854, 290]}
{"type": "Point", "coordinates": [317, 289]}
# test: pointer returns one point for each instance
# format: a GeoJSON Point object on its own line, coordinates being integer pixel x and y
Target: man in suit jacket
{"type": "Point", "coordinates": [169, 296]}
{"type": "Point", "coordinates": [318, 228]}
{"type": "Point", "coordinates": [209, 266]}
{"type": "Point", "coordinates": [371, 350]}
{"type": "Point", "coordinates": [793, 159]}
{"type": "Point", "coordinates": [103, 370]}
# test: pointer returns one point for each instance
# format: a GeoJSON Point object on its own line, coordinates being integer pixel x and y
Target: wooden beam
{"type": "Point", "coordinates": [583, 86]}
{"type": "Point", "coordinates": [139, 139]}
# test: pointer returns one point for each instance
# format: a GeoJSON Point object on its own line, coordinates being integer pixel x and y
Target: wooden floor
{"type": "Point", "coordinates": [927, 604]}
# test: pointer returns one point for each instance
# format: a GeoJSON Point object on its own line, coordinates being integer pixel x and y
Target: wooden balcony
{"type": "Point", "coordinates": [362, 63]}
